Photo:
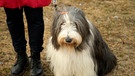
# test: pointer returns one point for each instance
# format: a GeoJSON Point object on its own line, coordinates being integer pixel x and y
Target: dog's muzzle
{"type": "Point", "coordinates": [68, 40]}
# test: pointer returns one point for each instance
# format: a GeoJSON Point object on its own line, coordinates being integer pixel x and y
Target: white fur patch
{"type": "Point", "coordinates": [69, 62]}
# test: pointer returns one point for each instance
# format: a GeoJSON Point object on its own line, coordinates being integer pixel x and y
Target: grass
{"type": "Point", "coordinates": [115, 19]}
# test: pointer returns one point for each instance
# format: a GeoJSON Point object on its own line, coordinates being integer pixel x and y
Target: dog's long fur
{"type": "Point", "coordinates": [76, 47]}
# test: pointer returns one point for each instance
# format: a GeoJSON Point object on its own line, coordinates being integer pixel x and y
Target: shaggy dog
{"type": "Point", "coordinates": [76, 47]}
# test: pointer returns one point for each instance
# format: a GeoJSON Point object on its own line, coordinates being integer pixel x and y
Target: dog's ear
{"type": "Point", "coordinates": [106, 60]}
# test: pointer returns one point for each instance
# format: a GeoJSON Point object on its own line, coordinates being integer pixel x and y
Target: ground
{"type": "Point", "coordinates": [115, 19]}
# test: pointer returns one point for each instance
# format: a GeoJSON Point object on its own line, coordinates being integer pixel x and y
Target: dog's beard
{"type": "Point", "coordinates": [69, 37]}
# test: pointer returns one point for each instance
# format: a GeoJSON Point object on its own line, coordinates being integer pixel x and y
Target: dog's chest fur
{"type": "Point", "coordinates": [69, 62]}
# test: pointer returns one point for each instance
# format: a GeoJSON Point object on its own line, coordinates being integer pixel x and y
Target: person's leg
{"type": "Point", "coordinates": [35, 22]}
{"type": "Point", "coordinates": [16, 29]}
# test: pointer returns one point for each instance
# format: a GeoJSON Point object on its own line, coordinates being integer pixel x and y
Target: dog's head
{"type": "Point", "coordinates": [69, 28]}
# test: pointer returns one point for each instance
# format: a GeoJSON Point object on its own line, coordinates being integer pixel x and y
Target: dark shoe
{"type": "Point", "coordinates": [36, 66]}
{"type": "Point", "coordinates": [19, 67]}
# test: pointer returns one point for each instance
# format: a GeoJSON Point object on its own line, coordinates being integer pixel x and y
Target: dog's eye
{"type": "Point", "coordinates": [62, 23]}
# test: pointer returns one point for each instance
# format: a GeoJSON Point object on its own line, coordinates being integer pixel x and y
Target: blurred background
{"type": "Point", "coordinates": [115, 19]}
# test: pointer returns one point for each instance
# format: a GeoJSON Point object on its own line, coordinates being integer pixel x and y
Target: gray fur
{"type": "Point", "coordinates": [102, 55]}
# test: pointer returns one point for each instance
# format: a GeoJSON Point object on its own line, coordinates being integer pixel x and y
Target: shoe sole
{"type": "Point", "coordinates": [41, 74]}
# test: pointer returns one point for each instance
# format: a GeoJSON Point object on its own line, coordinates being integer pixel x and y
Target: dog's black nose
{"type": "Point", "coordinates": [68, 40]}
